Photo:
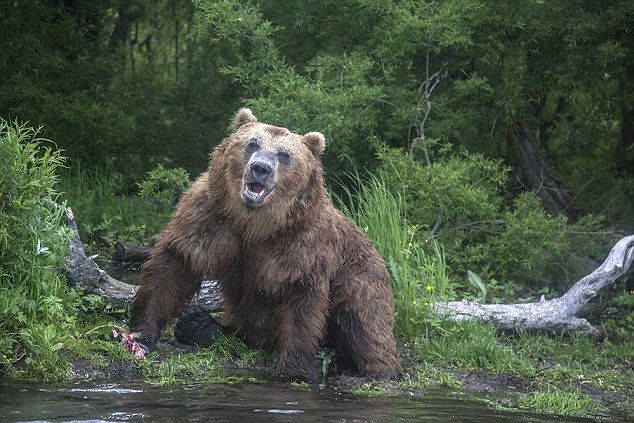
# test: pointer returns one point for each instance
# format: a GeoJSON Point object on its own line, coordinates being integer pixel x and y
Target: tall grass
{"type": "Point", "coordinates": [418, 272]}
{"type": "Point", "coordinates": [35, 302]}
{"type": "Point", "coordinates": [472, 345]}
{"type": "Point", "coordinates": [107, 209]}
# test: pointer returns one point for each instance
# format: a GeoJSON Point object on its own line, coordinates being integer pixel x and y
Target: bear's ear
{"type": "Point", "coordinates": [316, 142]}
{"type": "Point", "coordinates": [243, 117]}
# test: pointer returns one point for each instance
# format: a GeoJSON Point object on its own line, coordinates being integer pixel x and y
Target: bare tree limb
{"type": "Point", "coordinates": [125, 253]}
{"type": "Point", "coordinates": [554, 315]}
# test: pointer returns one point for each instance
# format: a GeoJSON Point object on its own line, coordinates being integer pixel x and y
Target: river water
{"type": "Point", "coordinates": [88, 402]}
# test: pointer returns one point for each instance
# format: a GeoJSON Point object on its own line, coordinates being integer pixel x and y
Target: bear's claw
{"type": "Point", "coordinates": [196, 327]}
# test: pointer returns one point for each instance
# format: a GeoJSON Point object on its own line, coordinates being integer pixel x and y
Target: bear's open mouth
{"type": "Point", "coordinates": [254, 193]}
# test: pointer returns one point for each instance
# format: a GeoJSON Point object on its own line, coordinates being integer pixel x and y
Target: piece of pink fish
{"type": "Point", "coordinates": [129, 343]}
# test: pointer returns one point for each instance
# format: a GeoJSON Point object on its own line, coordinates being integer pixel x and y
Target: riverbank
{"type": "Point", "coordinates": [564, 375]}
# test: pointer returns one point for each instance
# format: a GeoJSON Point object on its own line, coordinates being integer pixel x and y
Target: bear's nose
{"type": "Point", "coordinates": [260, 170]}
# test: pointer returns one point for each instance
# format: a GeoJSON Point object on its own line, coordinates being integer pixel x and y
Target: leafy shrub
{"type": "Point", "coordinates": [35, 302]}
{"type": "Point", "coordinates": [165, 185]}
{"type": "Point", "coordinates": [107, 212]}
{"type": "Point", "coordinates": [459, 200]}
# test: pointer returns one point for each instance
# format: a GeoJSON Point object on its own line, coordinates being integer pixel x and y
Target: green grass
{"type": "Point", "coordinates": [578, 358]}
{"type": "Point", "coordinates": [472, 346]}
{"type": "Point", "coordinates": [107, 209]}
{"type": "Point", "coordinates": [418, 273]}
{"type": "Point", "coordinates": [207, 365]}
{"type": "Point", "coordinates": [370, 389]}
{"type": "Point", "coordinates": [428, 376]}
{"type": "Point", "coordinates": [557, 400]}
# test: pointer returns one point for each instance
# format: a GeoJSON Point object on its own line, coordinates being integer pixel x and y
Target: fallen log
{"type": "Point", "coordinates": [125, 253]}
{"type": "Point", "coordinates": [554, 315]}
{"type": "Point", "coordinates": [82, 271]}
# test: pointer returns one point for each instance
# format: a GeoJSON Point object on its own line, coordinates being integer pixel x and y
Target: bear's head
{"type": "Point", "coordinates": [268, 170]}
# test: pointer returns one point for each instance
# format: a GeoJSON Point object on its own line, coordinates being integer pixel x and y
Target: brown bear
{"type": "Point", "coordinates": [294, 272]}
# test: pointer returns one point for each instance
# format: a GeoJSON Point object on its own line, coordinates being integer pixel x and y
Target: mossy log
{"type": "Point", "coordinates": [554, 315]}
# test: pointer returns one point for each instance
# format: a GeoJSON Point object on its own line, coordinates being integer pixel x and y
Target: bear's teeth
{"type": "Point", "coordinates": [255, 188]}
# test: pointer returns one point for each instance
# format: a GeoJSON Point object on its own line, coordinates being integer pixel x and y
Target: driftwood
{"type": "Point", "coordinates": [82, 271]}
{"type": "Point", "coordinates": [125, 253]}
{"type": "Point", "coordinates": [553, 315]}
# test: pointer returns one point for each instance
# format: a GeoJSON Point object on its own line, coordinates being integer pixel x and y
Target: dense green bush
{"type": "Point", "coordinates": [459, 199]}
{"type": "Point", "coordinates": [165, 185]}
{"type": "Point", "coordinates": [36, 306]}
{"type": "Point", "coordinates": [107, 212]}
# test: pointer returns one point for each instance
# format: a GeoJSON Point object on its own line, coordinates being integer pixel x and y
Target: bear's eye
{"type": "Point", "coordinates": [252, 145]}
{"type": "Point", "coordinates": [284, 157]}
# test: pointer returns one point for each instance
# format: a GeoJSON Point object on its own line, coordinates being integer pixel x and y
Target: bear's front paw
{"type": "Point", "coordinates": [196, 327]}
{"type": "Point", "coordinates": [280, 375]}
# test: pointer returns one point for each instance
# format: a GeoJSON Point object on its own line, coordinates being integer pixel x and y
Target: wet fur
{"type": "Point", "coordinates": [295, 274]}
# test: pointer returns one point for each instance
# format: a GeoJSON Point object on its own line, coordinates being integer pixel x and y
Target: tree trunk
{"type": "Point", "coordinates": [535, 173]}
{"type": "Point", "coordinates": [122, 25]}
{"type": "Point", "coordinates": [624, 159]}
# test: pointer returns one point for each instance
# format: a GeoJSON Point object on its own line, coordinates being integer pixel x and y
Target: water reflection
{"type": "Point", "coordinates": [244, 402]}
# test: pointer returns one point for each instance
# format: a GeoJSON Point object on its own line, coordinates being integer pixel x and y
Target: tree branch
{"type": "Point", "coordinates": [554, 315]}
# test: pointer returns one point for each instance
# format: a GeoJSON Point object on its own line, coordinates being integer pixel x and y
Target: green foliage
{"type": "Point", "coordinates": [459, 201]}
{"type": "Point", "coordinates": [35, 306]}
{"type": "Point", "coordinates": [427, 376]}
{"type": "Point", "coordinates": [477, 283]}
{"type": "Point", "coordinates": [106, 213]}
{"type": "Point", "coordinates": [206, 365]}
{"type": "Point", "coordinates": [165, 185]}
{"type": "Point", "coordinates": [418, 278]}
{"type": "Point", "coordinates": [429, 75]}
{"type": "Point", "coordinates": [326, 358]}
{"type": "Point", "coordinates": [83, 71]}
{"type": "Point", "coordinates": [156, 83]}
{"type": "Point", "coordinates": [571, 401]}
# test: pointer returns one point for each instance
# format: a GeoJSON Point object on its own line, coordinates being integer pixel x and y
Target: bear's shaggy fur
{"type": "Point", "coordinates": [295, 273]}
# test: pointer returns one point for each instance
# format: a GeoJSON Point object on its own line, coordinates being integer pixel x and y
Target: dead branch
{"type": "Point", "coordinates": [125, 253]}
{"type": "Point", "coordinates": [553, 315]}
{"type": "Point", "coordinates": [546, 315]}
